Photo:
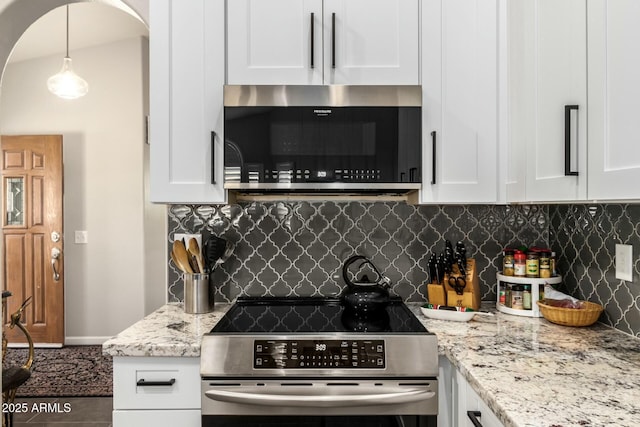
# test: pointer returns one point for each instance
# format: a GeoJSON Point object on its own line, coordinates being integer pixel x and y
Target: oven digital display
{"type": "Point", "coordinates": [318, 354]}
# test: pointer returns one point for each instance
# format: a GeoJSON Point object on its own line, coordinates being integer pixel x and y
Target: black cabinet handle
{"type": "Point", "coordinates": [213, 157]}
{"type": "Point", "coordinates": [473, 416]}
{"type": "Point", "coordinates": [567, 140]}
{"type": "Point", "coordinates": [333, 40]}
{"type": "Point", "coordinates": [312, 39]}
{"type": "Point", "coordinates": [402, 174]}
{"type": "Point", "coordinates": [433, 157]}
{"type": "Point", "coordinates": [143, 383]}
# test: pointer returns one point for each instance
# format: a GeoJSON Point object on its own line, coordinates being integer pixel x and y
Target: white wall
{"type": "Point", "coordinates": [104, 157]}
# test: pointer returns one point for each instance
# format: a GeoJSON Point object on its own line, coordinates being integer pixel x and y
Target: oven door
{"type": "Point", "coordinates": [313, 402]}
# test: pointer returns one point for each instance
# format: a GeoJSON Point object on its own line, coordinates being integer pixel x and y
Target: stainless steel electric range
{"type": "Point", "coordinates": [311, 362]}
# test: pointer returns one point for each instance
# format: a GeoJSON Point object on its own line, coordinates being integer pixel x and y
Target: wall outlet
{"type": "Point", "coordinates": [624, 262]}
{"type": "Point", "coordinates": [81, 237]}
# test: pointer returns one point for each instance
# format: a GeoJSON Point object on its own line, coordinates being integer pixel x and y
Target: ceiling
{"type": "Point", "coordinates": [90, 24]}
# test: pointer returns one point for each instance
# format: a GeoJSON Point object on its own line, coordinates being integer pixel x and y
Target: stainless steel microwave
{"type": "Point", "coordinates": [315, 138]}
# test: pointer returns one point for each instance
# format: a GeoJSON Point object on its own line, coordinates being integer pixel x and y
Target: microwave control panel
{"type": "Point", "coordinates": [318, 354]}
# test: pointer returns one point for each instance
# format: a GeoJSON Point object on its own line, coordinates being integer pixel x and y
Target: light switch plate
{"type": "Point", "coordinates": [624, 262]}
{"type": "Point", "coordinates": [81, 237]}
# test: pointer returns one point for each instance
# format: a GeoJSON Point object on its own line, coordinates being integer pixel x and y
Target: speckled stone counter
{"type": "Point", "coordinates": [530, 372]}
{"type": "Point", "coordinates": [533, 373]}
{"type": "Point", "coordinates": [168, 331]}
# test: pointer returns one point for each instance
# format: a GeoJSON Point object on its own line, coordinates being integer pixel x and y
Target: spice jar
{"type": "Point", "coordinates": [519, 264]}
{"type": "Point", "coordinates": [502, 293]}
{"type": "Point", "coordinates": [545, 264]}
{"type": "Point", "coordinates": [507, 262]}
{"type": "Point", "coordinates": [507, 296]}
{"type": "Point", "coordinates": [526, 297]}
{"type": "Point", "coordinates": [554, 272]}
{"type": "Point", "coordinates": [517, 295]}
{"type": "Point", "coordinates": [533, 265]}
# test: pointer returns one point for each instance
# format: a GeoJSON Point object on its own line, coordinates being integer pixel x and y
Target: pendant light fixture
{"type": "Point", "coordinates": [67, 84]}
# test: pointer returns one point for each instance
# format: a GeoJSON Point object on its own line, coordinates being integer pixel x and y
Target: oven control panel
{"type": "Point", "coordinates": [318, 354]}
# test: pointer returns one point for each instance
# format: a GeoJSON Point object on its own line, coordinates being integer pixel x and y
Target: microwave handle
{"type": "Point", "coordinates": [412, 174]}
{"type": "Point", "coordinates": [213, 157]}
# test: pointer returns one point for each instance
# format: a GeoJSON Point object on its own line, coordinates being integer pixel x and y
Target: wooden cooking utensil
{"type": "Point", "coordinates": [181, 256]}
{"type": "Point", "coordinates": [194, 250]}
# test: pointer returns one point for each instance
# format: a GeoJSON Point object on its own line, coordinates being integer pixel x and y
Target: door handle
{"type": "Point", "coordinates": [567, 140]}
{"type": "Point", "coordinates": [312, 39]}
{"type": "Point", "coordinates": [473, 416]}
{"type": "Point", "coordinates": [333, 40]}
{"type": "Point", "coordinates": [433, 157]}
{"type": "Point", "coordinates": [55, 257]}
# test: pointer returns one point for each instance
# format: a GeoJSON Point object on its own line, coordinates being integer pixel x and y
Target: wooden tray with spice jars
{"type": "Point", "coordinates": [519, 295]}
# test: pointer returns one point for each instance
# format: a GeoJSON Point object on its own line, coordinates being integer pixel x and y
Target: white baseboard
{"type": "Point", "coordinates": [67, 341]}
{"type": "Point", "coordinates": [85, 340]}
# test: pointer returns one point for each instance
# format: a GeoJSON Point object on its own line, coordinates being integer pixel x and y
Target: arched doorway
{"type": "Point", "coordinates": [87, 296]}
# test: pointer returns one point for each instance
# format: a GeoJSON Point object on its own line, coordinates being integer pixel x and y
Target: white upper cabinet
{"type": "Point", "coordinates": [459, 101]}
{"type": "Point", "coordinates": [323, 42]}
{"type": "Point", "coordinates": [186, 68]}
{"type": "Point", "coordinates": [548, 98]}
{"type": "Point", "coordinates": [574, 97]}
{"type": "Point", "coordinates": [614, 99]}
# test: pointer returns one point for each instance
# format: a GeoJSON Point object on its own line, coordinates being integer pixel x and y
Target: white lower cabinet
{"type": "Point", "coordinates": [157, 391]}
{"type": "Point", "coordinates": [459, 402]}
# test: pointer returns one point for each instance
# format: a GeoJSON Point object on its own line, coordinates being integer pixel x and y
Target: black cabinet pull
{"type": "Point", "coordinates": [473, 416]}
{"type": "Point", "coordinates": [402, 174]}
{"type": "Point", "coordinates": [213, 157]}
{"type": "Point", "coordinates": [567, 140]}
{"type": "Point", "coordinates": [333, 40]}
{"type": "Point", "coordinates": [143, 383]}
{"type": "Point", "coordinates": [433, 157]}
{"type": "Point", "coordinates": [312, 39]}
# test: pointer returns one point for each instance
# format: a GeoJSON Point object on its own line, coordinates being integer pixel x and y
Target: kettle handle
{"type": "Point", "coordinates": [351, 260]}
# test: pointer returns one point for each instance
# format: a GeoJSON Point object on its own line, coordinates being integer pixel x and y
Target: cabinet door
{"type": "Point", "coordinates": [469, 400]}
{"type": "Point", "coordinates": [447, 406]}
{"type": "Point", "coordinates": [186, 71]}
{"type": "Point", "coordinates": [158, 418]}
{"type": "Point", "coordinates": [274, 42]}
{"type": "Point", "coordinates": [371, 42]}
{"type": "Point", "coordinates": [547, 47]}
{"type": "Point", "coordinates": [459, 105]}
{"type": "Point", "coordinates": [614, 99]}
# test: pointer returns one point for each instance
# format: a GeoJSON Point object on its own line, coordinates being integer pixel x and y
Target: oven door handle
{"type": "Point", "coordinates": [342, 396]}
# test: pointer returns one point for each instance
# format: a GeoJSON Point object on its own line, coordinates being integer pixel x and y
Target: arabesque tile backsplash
{"type": "Point", "coordinates": [298, 248]}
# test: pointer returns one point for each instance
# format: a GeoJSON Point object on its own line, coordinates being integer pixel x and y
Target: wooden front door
{"type": "Point", "coordinates": [32, 234]}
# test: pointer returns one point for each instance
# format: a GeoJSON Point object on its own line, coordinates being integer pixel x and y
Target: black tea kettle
{"type": "Point", "coordinates": [365, 297]}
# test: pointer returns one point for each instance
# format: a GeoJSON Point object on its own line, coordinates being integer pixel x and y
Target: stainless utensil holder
{"type": "Point", "coordinates": [198, 295]}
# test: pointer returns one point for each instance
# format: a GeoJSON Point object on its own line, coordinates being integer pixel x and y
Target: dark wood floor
{"type": "Point", "coordinates": [64, 411]}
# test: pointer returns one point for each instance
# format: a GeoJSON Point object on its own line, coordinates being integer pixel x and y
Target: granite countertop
{"type": "Point", "coordinates": [533, 373]}
{"type": "Point", "coordinates": [168, 331]}
{"type": "Point", "coordinates": [530, 372]}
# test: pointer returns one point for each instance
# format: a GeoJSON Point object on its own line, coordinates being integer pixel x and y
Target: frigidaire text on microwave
{"type": "Point", "coordinates": [299, 138]}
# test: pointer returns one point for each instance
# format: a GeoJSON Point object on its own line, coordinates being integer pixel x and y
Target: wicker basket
{"type": "Point", "coordinates": [571, 316]}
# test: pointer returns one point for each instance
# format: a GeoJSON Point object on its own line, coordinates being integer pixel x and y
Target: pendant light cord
{"type": "Point", "coordinates": [67, 30]}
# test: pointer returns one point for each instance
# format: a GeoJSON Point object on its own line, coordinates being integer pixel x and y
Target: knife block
{"type": "Point", "coordinates": [470, 297]}
{"type": "Point", "coordinates": [437, 294]}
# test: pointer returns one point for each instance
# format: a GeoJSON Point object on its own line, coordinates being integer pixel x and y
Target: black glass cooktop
{"type": "Point", "coordinates": [268, 315]}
